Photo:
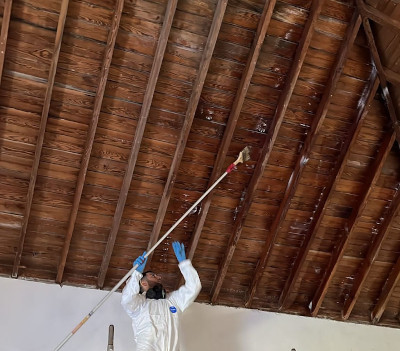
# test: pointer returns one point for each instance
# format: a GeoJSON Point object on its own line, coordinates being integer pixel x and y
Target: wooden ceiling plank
{"type": "Point", "coordinates": [387, 291]}
{"type": "Point", "coordinates": [190, 112]}
{"type": "Point", "coordinates": [381, 72]}
{"type": "Point", "coordinates": [291, 187]}
{"type": "Point", "coordinates": [267, 147]}
{"type": "Point", "coordinates": [4, 33]}
{"type": "Point", "coordinates": [378, 16]}
{"type": "Point", "coordinates": [233, 118]}
{"type": "Point", "coordinates": [144, 113]}
{"type": "Point", "coordinates": [108, 54]}
{"type": "Point", "coordinates": [383, 229]}
{"type": "Point", "coordinates": [365, 100]}
{"type": "Point", "coordinates": [42, 130]}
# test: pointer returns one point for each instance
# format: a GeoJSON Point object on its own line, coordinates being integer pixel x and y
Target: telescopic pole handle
{"type": "Point", "coordinates": [127, 275]}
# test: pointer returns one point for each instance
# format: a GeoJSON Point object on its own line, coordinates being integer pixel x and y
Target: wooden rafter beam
{"type": "Point", "coordinates": [381, 72]}
{"type": "Point", "coordinates": [383, 229]}
{"type": "Point", "coordinates": [233, 118]}
{"type": "Point", "coordinates": [4, 33]}
{"type": "Point", "coordinates": [387, 291]}
{"type": "Point", "coordinates": [378, 16]}
{"type": "Point", "coordinates": [365, 100]}
{"type": "Point", "coordinates": [42, 129]}
{"type": "Point", "coordinates": [190, 112]}
{"type": "Point", "coordinates": [144, 113]}
{"type": "Point", "coordinates": [337, 255]}
{"type": "Point", "coordinates": [291, 187]}
{"type": "Point", "coordinates": [267, 147]}
{"type": "Point", "coordinates": [391, 76]}
{"type": "Point", "coordinates": [112, 35]}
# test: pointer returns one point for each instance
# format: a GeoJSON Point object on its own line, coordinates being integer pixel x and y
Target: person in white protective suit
{"type": "Point", "coordinates": [155, 314]}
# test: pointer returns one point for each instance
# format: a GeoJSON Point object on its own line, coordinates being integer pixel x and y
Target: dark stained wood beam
{"type": "Point", "coordinates": [108, 54]}
{"type": "Point", "coordinates": [4, 33]}
{"type": "Point", "coordinates": [378, 16]}
{"type": "Point", "coordinates": [291, 187]}
{"type": "Point", "coordinates": [190, 112]}
{"type": "Point", "coordinates": [267, 147]}
{"type": "Point", "coordinates": [382, 231]}
{"type": "Point", "coordinates": [233, 118]}
{"type": "Point", "coordinates": [338, 253]}
{"type": "Point", "coordinates": [42, 129]}
{"type": "Point", "coordinates": [387, 291]}
{"type": "Point", "coordinates": [365, 101]}
{"type": "Point", "coordinates": [391, 76]}
{"type": "Point", "coordinates": [144, 113]}
{"type": "Point", "coordinates": [381, 72]}
{"type": "Point", "coordinates": [351, 224]}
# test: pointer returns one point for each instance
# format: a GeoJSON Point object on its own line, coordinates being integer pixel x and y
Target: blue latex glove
{"type": "Point", "coordinates": [141, 261]}
{"type": "Point", "coordinates": [179, 250]}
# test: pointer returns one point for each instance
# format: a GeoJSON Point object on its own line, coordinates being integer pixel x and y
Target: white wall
{"type": "Point", "coordinates": [35, 316]}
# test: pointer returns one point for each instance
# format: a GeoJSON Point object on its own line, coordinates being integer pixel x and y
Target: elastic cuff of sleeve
{"type": "Point", "coordinates": [184, 263]}
{"type": "Point", "coordinates": [138, 274]}
{"type": "Point", "coordinates": [134, 279]}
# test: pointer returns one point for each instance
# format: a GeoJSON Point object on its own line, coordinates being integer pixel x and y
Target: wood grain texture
{"type": "Point", "coordinates": [4, 33]}
{"type": "Point", "coordinates": [152, 86]}
{"type": "Point", "coordinates": [233, 117]}
{"type": "Point", "coordinates": [42, 128]}
{"type": "Point", "coordinates": [190, 112]}
{"type": "Point", "coordinates": [369, 94]}
{"type": "Point", "coordinates": [308, 144]}
{"type": "Point", "coordinates": [108, 54]}
{"type": "Point", "coordinates": [148, 97]}
{"type": "Point", "coordinates": [266, 150]}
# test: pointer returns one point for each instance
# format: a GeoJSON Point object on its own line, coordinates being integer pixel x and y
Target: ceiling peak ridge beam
{"type": "Point", "coordinates": [387, 291]}
{"type": "Point", "coordinates": [378, 16]}
{"type": "Point", "coordinates": [383, 230]}
{"type": "Point", "coordinates": [283, 103]}
{"type": "Point", "coordinates": [190, 112]}
{"type": "Point", "coordinates": [233, 118]}
{"type": "Point", "coordinates": [133, 155]}
{"type": "Point", "coordinates": [108, 55]}
{"type": "Point", "coordinates": [381, 72]}
{"type": "Point", "coordinates": [364, 103]}
{"type": "Point", "coordinates": [4, 33]}
{"type": "Point", "coordinates": [42, 129]}
{"type": "Point", "coordinates": [319, 118]}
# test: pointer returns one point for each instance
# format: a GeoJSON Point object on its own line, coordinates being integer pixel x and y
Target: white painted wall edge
{"type": "Point", "coordinates": [37, 316]}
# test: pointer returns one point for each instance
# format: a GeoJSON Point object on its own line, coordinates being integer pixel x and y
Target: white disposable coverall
{"type": "Point", "coordinates": [155, 323]}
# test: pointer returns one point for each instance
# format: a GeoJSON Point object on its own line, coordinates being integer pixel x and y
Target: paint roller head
{"type": "Point", "coordinates": [244, 155]}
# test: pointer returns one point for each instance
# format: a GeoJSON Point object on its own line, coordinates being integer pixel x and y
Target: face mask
{"type": "Point", "coordinates": [156, 292]}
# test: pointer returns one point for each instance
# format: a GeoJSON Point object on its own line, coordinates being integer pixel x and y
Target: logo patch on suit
{"type": "Point", "coordinates": [172, 309]}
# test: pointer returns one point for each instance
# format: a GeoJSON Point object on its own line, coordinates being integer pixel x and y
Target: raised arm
{"type": "Point", "coordinates": [131, 300]}
{"type": "Point", "coordinates": [187, 293]}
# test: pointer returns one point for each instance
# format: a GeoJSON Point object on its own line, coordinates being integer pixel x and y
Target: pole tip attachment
{"type": "Point", "coordinates": [244, 155]}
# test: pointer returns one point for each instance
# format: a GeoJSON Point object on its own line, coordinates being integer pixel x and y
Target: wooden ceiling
{"type": "Point", "coordinates": [117, 115]}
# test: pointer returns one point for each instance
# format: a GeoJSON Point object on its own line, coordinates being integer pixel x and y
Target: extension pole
{"type": "Point", "coordinates": [243, 156]}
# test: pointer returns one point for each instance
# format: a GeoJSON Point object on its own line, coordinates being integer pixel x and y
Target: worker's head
{"type": "Point", "coordinates": [151, 284]}
{"type": "Point", "coordinates": [148, 280]}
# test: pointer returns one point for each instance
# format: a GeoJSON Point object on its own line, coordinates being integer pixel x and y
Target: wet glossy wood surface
{"type": "Point", "coordinates": [251, 83]}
